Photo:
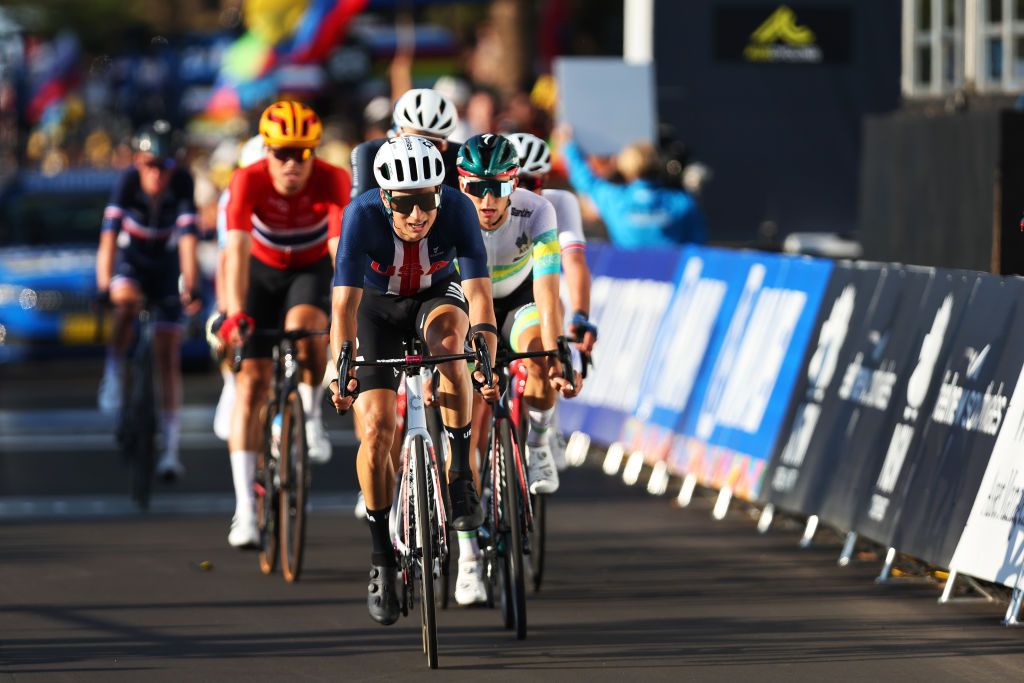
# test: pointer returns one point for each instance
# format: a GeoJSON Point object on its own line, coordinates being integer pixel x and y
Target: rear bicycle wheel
{"type": "Point", "coordinates": [267, 494]}
{"type": "Point", "coordinates": [293, 472]}
{"type": "Point", "coordinates": [425, 538]}
{"type": "Point", "coordinates": [514, 587]}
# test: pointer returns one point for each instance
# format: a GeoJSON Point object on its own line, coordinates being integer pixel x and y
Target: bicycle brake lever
{"type": "Point", "coordinates": [483, 359]}
{"type": "Point", "coordinates": [344, 358]}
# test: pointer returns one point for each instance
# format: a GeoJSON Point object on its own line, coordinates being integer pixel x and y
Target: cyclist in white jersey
{"type": "Point", "coordinates": [520, 236]}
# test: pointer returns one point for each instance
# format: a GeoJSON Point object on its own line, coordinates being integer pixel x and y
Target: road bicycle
{"type": "Point", "coordinates": [137, 425]}
{"type": "Point", "coordinates": [283, 472]}
{"type": "Point", "coordinates": [419, 518]}
{"type": "Point", "coordinates": [509, 520]}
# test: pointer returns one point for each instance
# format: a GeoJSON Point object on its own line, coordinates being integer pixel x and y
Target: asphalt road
{"type": "Point", "coordinates": [635, 588]}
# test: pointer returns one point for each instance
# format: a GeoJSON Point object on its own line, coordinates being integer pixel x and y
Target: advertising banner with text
{"type": "Point", "coordinates": [846, 304]}
{"type": "Point", "coordinates": [958, 441]}
{"type": "Point", "coordinates": [729, 427]}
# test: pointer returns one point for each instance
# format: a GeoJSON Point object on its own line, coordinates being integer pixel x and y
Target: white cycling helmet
{"type": "Point", "coordinates": [408, 162]}
{"type": "Point", "coordinates": [426, 111]}
{"type": "Point", "coordinates": [534, 154]}
{"type": "Point", "coordinates": [252, 151]}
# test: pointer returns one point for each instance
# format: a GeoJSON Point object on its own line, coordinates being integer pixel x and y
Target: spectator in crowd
{"type": "Point", "coordinates": [642, 212]}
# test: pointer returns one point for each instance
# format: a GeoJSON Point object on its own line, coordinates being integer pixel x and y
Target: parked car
{"type": "Point", "coordinates": [49, 232]}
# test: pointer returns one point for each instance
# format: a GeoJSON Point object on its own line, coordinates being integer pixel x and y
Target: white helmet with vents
{"type": "Point", "coordinates": [534, 154]}
{"type": "Point", "coordinates": [426, 111]}
{"type": "Point", "coordinates": [408, 162]}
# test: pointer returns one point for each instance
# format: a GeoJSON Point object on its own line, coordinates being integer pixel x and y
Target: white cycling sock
{"type": "Point", "coordinates": [172, 430]}
{"type": "Point", "coordinates": [312, 406]}
{"type": "Point", "coordinates": [469, 549]}
{"type": "Point", "coordinates": [540, 420]}
{"type": "Point", "coordinates": [243, 472]}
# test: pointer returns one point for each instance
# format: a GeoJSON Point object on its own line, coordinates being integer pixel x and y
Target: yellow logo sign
{"type": "Point", "coordinates": [781, 39]}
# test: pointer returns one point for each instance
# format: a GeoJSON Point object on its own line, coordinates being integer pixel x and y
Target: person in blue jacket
{"type": "Point", "coordinates": [642, 212]}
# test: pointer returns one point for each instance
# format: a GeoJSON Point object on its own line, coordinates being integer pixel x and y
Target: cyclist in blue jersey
{"type": "Point", "coordinates": [395, 274]}
{"type": "Point", "coordinates": [148, 241]}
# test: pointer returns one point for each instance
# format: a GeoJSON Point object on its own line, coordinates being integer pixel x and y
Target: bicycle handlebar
{"type": "Point", "coordinates": [346, 363]}
{"type": "Point", "coordinates": [562, 353]}
{"type": "Point", "coordinates": [295, 335]}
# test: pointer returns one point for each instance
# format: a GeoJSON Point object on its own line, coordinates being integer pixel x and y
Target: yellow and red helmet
{"type": "Point", "coordinates": [290, 124]}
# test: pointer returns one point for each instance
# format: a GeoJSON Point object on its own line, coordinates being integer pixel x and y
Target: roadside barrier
{"type": "Point", "coordinates": [885, 401]}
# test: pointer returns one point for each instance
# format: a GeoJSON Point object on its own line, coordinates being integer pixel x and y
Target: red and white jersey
{"type": "Point", "coordinates": [288, 231]}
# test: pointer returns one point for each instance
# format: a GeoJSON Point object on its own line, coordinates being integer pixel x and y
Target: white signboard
{"type": "Point", "coordinates": [992, 545]}
{"type": "Point", "coordinates": [608, 103]}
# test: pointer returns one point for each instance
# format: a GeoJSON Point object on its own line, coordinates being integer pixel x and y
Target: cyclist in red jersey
{"type": "Point", "coordinates": [282, 213]}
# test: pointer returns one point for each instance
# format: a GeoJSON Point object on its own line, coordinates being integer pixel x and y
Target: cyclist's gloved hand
{"type": "Point", "coordinates": [560, 384]}
{"type": "Point", "coordinates": [583, 331]}
{"type": "Point", "coordinates": [231, 330]}
{"type": "Point", "coordinates": [213, 325]}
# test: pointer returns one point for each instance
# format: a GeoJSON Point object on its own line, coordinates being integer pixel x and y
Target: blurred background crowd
{"type": "Point", "coordinates": [76, 79]}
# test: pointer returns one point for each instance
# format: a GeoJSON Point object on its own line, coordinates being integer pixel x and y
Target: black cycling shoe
{"type": "Point", "coordinates": [381, 598]}
{"type": "Point", "coordinates": [466, 511]}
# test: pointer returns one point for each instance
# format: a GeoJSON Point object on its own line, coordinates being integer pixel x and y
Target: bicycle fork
{"type": "Point", "coordinates": [402, 520]}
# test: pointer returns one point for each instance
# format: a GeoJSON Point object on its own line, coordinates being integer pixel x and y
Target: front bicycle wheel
{"type": "Point", "coordinates": [425, 536]}
{"type": "Point", "coordinates": [267, 508]}
{"type": "Point", "coordinates": [514, 588]}
{"type": "Point", "coordinates": [538, 539]}
{"type": "Point", "coordinates": [293, 471]}
{"type": "Point", "coordinates": [139, 426]}
{"type": "Point", "coordinates": [442, 584]}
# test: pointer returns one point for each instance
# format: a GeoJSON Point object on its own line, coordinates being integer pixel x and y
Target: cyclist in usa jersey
{"type": "Point", "coordinates": [281, 214]}
{"type": "Point", "coordinates": [395, 275]}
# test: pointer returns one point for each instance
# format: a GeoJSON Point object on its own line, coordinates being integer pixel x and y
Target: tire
{"type": "Point", "coordinates": [267, 501]}
{"type": "Point", "coordinates": [293, 470]}
{"type": "Point", "coordinates": [139, 415]}
{"type": "Point", "coordinates": [514, 581]}
{"type": "Point", "coordinates": [442, 584]}
{"type": "Point", "coordinates": [538, 540]}
{"type": "Point", "coordinates": [425, 538]}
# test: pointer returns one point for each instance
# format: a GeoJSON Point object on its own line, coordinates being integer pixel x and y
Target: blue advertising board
{"type": "Point", "coordinates": [630, 293]}
{"type": "Point", "coordinates": [739, 400]}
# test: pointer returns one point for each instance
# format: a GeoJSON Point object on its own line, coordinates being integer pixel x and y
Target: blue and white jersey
{"type": "Point", "coordinates": [370, 254]}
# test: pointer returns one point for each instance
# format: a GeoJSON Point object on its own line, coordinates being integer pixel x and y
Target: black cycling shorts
{"type": "Point", "coordinates": [506, 308]}
{"type": "Point", "coordinates": [157, 279]}
{"type": "Point", "coordinates": [273, 292]}
{"type": "Point", "coordinates": [386, 320]}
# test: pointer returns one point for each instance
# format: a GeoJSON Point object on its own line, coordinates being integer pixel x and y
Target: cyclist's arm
{"type": "Point", "coordinates": [547, 264]}
{"type": "Point", "coordinates": [362, 166]}
{"type": "Point", "coordinates": [344, 325]}
{"type": "Point", "coordinates": [577, 279]}
{"type": "Point", "coordinates": [549, 306]}
{"type": "Point", "coordinates": [238, 246]}
{"type": "Point", "coordinates": [185, 224]}
{"type": "Point", "coordinates": [481, 308]}
{"type": "Point", "coordinates": [113, 215]}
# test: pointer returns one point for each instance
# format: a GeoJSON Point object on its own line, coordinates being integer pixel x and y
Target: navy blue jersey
{"type": "Point", "coordinates": [362, 165]}
{"type": "Point", "coordinates": [150, 226]}
{"type": "Point", "coordinates": [371, 254]}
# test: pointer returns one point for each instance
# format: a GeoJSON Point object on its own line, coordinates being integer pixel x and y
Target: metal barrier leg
{"type": "Point", "coordinates": [685, 496]}
{"type": "Point", "coordinates": [722, 504]}
{"type": "Point", "coordinates": [764, 522]}
{"type": "Point", "coordinates": [658, 483]}
{"type": "Point", "coordinates": [613, 459]}
{"type": "Point", "coordinates": [847, 555]}
{"type": "Point", "coordinates": [577, 449]}
{"type": "Point", "coordinates": [890, 557]}
{"type": "Point", "coordinates": [809, 530]}
{"type": "Point", "coordinates": [634, 466]}
{"type": "Point", "coordinates": [1013, 611]}
{"type": "Point", "coordinates": [947, 590]}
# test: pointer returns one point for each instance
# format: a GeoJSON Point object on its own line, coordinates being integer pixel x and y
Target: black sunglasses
{"type": "Point", "coordinates": [298, 154]}
{"type": "Point", "coordinates": [404, 204]}
{"type": "Point", "coordinates": [498, 188]}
